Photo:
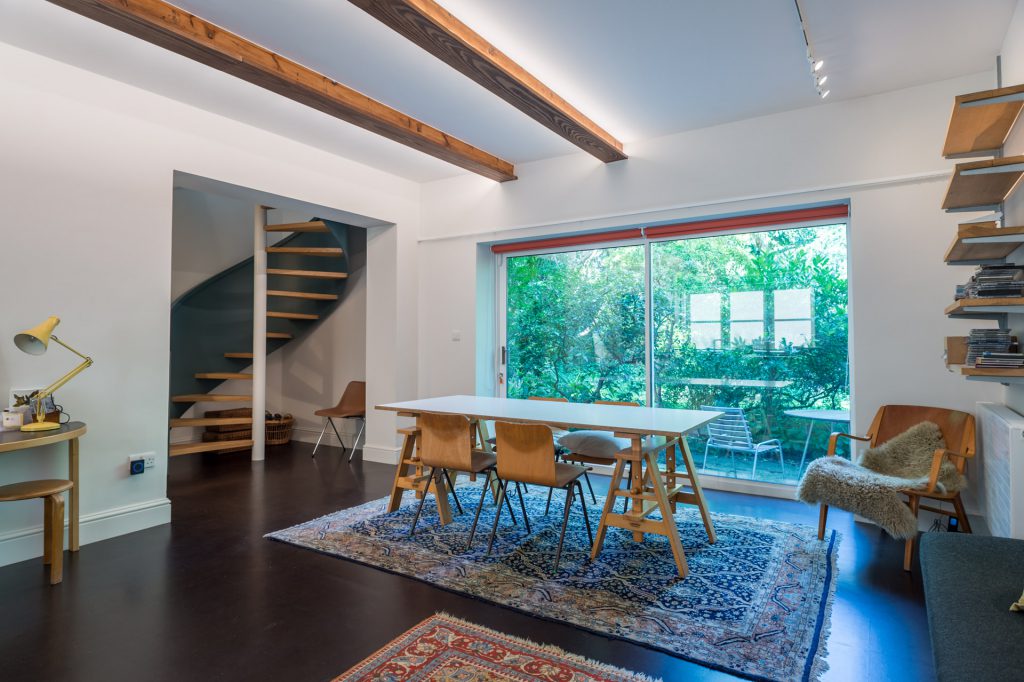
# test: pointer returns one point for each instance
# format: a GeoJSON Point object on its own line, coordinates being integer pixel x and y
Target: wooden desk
{"type": "Point", "coordinates": [648, 486]}
{"type": "Point", "coordinates": [11, 441]}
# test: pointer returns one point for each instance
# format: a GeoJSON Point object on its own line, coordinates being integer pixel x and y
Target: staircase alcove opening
{"type": "Point", "coordinates": [316, 318]}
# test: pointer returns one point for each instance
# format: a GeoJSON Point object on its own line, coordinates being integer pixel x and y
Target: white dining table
{"type": "Point", "coordinates": [649, 487]}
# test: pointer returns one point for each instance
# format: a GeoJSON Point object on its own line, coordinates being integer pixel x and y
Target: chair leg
{"type": "Point", "coordinates": [320, 438]}
{"type": "Point", "coordinates": [908, 549]}
{"type": "Point", "coordinates": [355, 443]}
{"type": "Point", "coordinates": [451, 487]}
{"type": "Point", "coordinates": [961, 514]}
{"type": "Point", "coordinates": [704, 464]}
{"type": "Point", "coordinates": [753, 472]}
{"type": "Point", "coordinates": [522, 505]}
{"type": "Point", "coordinates": [476, 517]}
{"type": "Point", "coordinates": [47, 530]}
{"type": "Point", "coordinates": [57, 537]}
{"type": "Point", "coordinates": [548, 505]}
{"type": "Point", "coordinates": [340, 441]}
{"type": "Point", "coordinates": [565, 522]}
{"type": "Point", "coordinates": [419, 509]}
{"type": "Point", "coordinates": [586, 516]}
{"type": "Point", "coordinates": [822, 517]}
{"type": "Point", "coordinates": [508, 504]}
{"type": "Point", "coordinates": [502, 485]}
{"type": "Point", "coordinates": [590, 487]}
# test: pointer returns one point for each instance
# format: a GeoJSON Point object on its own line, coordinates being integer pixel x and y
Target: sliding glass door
{"type": "Point", "coordinates": [752, 323]}
{"type": "Point", "coordinates": [575, 325]}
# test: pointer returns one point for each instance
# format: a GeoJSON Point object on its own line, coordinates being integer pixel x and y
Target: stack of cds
{"type": "Point", "coordinates": [982, 342]}
{"type": "Point", "coordinates": [994, 281]}
{"type": "Point", "coordinates": [1001, 360]}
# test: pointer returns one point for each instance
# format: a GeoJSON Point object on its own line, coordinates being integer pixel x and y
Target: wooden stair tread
{"type": "Point", "coordinates": [311, 226]}
{"type": "Point", "coordinates": [983, 242]}
{"type": "Point", "coordinates": [211, 421]}
{"type": "Point", "coordinates": [292, 316]}
{"type": "Point", "coordinates": [314, 274]}
{"type": "Point", "coordinates": [239, 356]}
{"type": "Point", "coordinates": [177, 449]}
{"type": "Point", "coordinates": [224, 376]}
{"type": "Point", "coordinates": [278, 335]}
{"type": "Point", "coordinates": [982, 127]}
{"type": "Point", "coordinates": [983, 183]}
{"type": "Point", "coordinates": [312, 296]}
{"type": "Point", "coordinates": [307, 250]}
{"type": "Point", "coordinates": [210, 398]}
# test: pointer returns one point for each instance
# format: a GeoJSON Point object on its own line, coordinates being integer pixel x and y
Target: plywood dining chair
{"type": "Point", "coordinates": [52, 492]}
{"type": "Point", "coordinates": [958, 431]}
{"type": "Point", "coordinates": [603, 456]}
{"type": "Point", "coordinates": [352, 405]}
{"type": "Point", "coordinates": [446, 445]}
{"type": "Point", "coordinates": [526, 454]}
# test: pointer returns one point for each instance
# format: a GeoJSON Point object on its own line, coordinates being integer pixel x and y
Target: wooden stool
{"type": "Point", "coordinates": [53, 521]}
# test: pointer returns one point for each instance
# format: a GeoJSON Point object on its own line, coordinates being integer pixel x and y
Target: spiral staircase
{"type": "Point", "coordinates": [212, 325]}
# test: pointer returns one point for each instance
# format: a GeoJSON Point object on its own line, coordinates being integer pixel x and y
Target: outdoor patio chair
{"type": "Point", "coordinates": [731, 432]}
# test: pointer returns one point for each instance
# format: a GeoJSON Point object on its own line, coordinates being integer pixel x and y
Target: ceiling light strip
{"type": "Point", "coordinates": [816, 65]}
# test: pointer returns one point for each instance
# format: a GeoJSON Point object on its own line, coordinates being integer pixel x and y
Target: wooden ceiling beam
{"type": "Point", "coordinates": [174, 29]}
{"type": "Point", "coordinates": [433, 28]}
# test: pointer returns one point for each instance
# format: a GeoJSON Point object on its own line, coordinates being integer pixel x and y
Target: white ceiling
{"type": "Point", "coordinates": [640, 68]}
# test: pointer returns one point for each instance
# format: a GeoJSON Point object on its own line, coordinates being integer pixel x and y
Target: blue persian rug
{"type": "Point", "coordinates": [756, 604]}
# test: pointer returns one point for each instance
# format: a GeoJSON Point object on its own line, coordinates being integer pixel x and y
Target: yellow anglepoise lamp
{"type": "Point", "coordinates": [34, 341]}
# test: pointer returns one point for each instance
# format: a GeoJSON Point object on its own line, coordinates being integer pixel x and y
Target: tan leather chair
{"type": "Point", "coordinates": [446, 444]}
{"type": "Point", "coordinates": [526, 454]}
{"type": "Point", "coordinates": [957, 430]}
{"type": "Point", "coordinates": [52, 491]}
{"type": "Point", "coordinates": [351, 406]}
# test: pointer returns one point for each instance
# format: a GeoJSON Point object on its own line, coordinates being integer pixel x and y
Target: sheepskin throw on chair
{"type": "Point", "coordinates": [870, 487]}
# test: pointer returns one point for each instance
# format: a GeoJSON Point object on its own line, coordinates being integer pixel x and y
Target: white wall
{"type": "Point", "coordinates": [211, 233]}
{"type": "Point", "coordinates": [87, 171]}
{"type": "Point", "coordinates": [1012, 55]}
{"type": "Point", "coordinates": [882, 153]}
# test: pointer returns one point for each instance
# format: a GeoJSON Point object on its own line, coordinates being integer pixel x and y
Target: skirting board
{"type": "Point", "coordinates": [27, 543]}
{"type": "Point", "coordinates": [382, 454]}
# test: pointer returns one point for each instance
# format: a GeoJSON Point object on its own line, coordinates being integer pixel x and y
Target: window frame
{"type": "Point", "coordinates": [501, 289]}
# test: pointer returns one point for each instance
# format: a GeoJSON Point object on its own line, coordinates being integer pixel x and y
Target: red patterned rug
{"type": "Point", "coordinates": [444, 648]}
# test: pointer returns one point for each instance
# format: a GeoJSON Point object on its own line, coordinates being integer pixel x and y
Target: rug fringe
{"type": "Point", "coordinates": [552, 649]}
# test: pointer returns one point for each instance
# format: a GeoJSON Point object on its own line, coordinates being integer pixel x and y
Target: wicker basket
{"type": "Point", "coordinates": [279, 431]}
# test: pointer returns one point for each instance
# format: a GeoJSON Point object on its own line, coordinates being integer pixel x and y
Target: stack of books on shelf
{"type": "Point", "coordinates": [993, 281]}
{"type": "Point", "coordinates": [981, 342]}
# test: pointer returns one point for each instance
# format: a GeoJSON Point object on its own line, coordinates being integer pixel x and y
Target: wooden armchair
{"type": "Point", "coordinates": [958, 432]}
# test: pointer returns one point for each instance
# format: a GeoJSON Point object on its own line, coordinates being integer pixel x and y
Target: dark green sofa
{"type": "Point", "coordinates": [969, 583]}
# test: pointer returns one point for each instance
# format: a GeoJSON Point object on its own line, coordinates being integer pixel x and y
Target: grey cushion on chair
{"type": "Point", "coordinates": [599, 444]}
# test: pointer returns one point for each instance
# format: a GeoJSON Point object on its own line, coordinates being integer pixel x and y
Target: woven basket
{"type": "Point", "coordinates": [279, 431]}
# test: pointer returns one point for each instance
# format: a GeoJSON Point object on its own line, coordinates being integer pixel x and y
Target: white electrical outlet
{"type": "Point", "coordinates": [148, 458]}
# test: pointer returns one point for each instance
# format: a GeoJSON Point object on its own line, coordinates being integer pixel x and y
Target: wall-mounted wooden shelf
{"type": "Point", "coordinates": [1002, 375]}
{"type": "Point", "coordinates": [980, 185]}
{"type": "Point", "coordinates": [981, 121]}
{"type": "Point", "coordinates": [983, 243]}
{"type": "Point", "coordinates": [985, 307]}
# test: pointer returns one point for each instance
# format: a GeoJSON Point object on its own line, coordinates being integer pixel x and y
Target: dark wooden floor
{"type": "Point", "coordinates": [207, 598]}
